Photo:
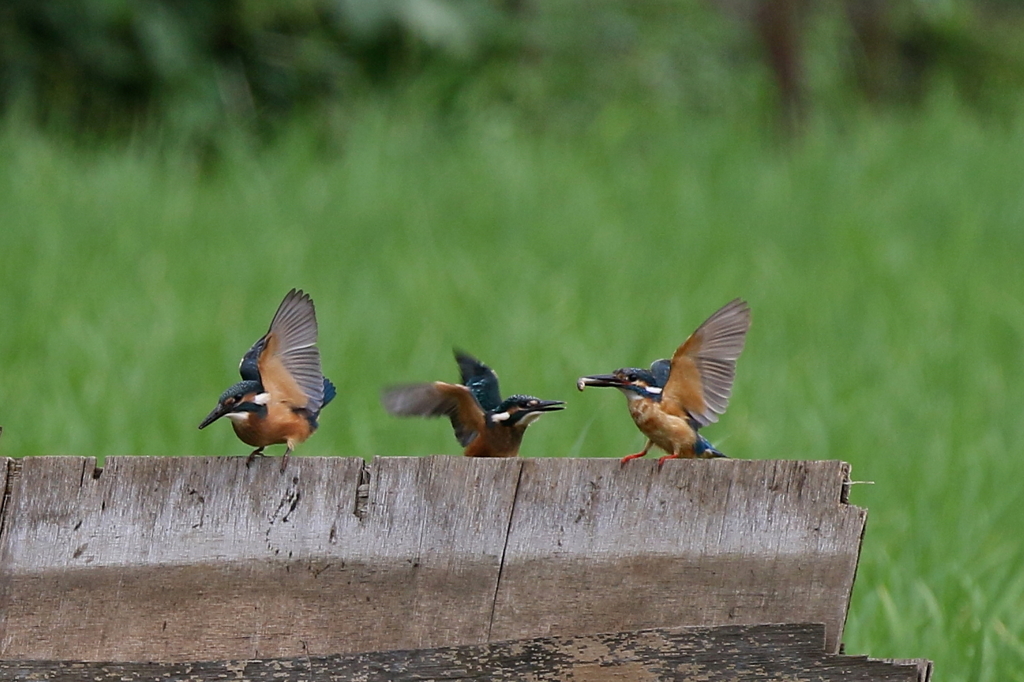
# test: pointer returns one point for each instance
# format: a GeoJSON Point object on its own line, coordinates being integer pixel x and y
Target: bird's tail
{"type": "Point", "coordinates": [329, 392]}
{"type": "Point", "coordinates": [705, 450]}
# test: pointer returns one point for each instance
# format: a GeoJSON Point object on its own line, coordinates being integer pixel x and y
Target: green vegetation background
{"type": "Point", "coordinates": [880, 248]}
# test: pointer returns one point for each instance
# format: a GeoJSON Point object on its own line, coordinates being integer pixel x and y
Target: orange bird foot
{"type": "Point", "coordinates": [661, 460]}
{"type": "Point", "coordinates": [633, 456]}
{"type": "Point", "coordinates": [258, 452]}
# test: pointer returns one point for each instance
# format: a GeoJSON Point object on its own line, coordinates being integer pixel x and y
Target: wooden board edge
{"type": "Point", "coordinates": [792, 651]}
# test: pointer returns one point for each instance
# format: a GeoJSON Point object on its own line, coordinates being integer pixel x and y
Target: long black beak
{"type": "Point", "coordinates": [217, 413]}
{"type": "Point", "coordinates": [601, 381]}
{"type": "Point", "coordinates": [547, 406]}
{"type": "Point", "coordinates": [527, 415]}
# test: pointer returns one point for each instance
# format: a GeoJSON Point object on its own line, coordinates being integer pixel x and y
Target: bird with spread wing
{"type": "Point", "coordinates": [282, 390]}
{"type": "Point", "coordinates": [485, 425]}
{"type": "Point", "coordinates": [673, 399]}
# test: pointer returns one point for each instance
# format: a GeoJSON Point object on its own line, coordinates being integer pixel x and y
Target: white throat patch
{"type": "Point", "coordinates": [530, 418]}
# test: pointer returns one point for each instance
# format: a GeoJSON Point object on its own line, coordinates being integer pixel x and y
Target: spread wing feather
{"type": "Point", "coordinates": [287, 357]}
{"type": "Point", "coordinates": [435, 400]}
{"type": "Point", "coordinates": [704, 366]}
{"type": "Point", "coordinates": [480, 379]}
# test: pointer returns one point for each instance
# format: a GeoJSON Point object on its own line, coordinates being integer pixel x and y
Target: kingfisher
{"type": "Point", "coordinates": [673, 399]}
{"type": "Point", "coordinates": [484, 424]}
{"type": "Point", "coordinates": [282, 390]}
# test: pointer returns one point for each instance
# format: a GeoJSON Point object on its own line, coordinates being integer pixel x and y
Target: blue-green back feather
{"type": "Point", "coordinates": [660, 369]}
{"type": "Point", "coordinates": [480, 379]}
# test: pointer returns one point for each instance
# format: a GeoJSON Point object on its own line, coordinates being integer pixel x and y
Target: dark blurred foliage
{"type": "Point", "coordinates": [901, 48]}
{"type": "Point", "coordinates": [192, 65]}
{"type": "Point", "coordinates": [192, 68]}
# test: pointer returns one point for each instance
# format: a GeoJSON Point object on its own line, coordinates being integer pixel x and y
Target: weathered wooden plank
{"type": "Point", "coordinates": [598, 548]}
{"type": "Point", "coordinates": [200, 558]}
{"type": "Point", "coordinates": [730, 653]}
{"type": "Point", "coordinates": [7, 466]}
{"type": "Point", "coordinates": [173, 559]}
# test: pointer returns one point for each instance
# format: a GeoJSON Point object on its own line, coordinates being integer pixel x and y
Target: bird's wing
{"type": "Point", "coordinates": [704, 367]}
{"type": "Point", "coordinates": [661, 370]}
{"type": "Point", "coordinates": [249, 367]}
{"type": "Point", "coordinates": [435, 400]}
{"type": "Point", "coordinates": [287, 357]}
{"type": "Point", "coordinates": [481, 380]}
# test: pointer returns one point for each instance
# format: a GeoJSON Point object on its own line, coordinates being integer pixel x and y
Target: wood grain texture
{"type": "Point", "coordinates": [183, 559]}
{"type": "Point", "coordinates": [200, 558]}
{"type": "Point", "coordinates": [729, 653]}
{"type": "Point", "coordinates": [598, 548]}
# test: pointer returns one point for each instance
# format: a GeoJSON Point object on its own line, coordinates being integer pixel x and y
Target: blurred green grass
{"type": "Point", "coordinates": [881, 259]}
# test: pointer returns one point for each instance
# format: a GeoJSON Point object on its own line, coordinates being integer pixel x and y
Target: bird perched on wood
{"type": "Point", "coordinates": [485, 425]}
{"type": "Point", "coordinates": [674, 398]}
{"type": "Point", "coordinates": [282, 390]}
